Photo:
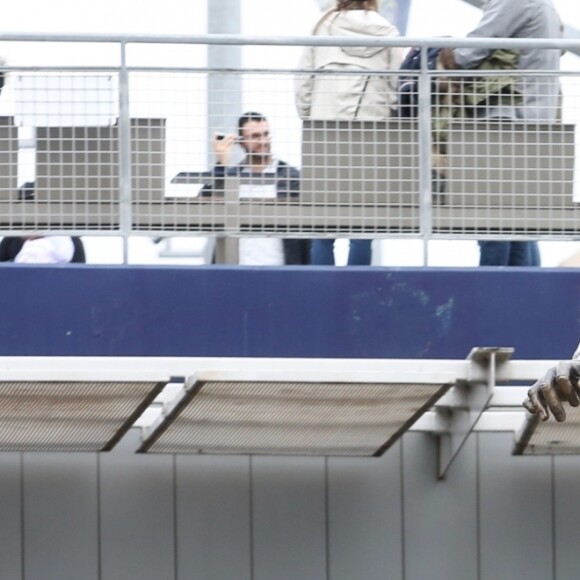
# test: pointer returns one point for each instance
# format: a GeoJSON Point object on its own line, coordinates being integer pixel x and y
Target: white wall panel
{"type": "Point", "coordinates": [364, 494]}
{"type": "Point", "coordinates": [137, 516]}
{"type": "Point", "coordinates": [289, 518]}
{"type": "Point", "coordinates": [440, 524]}
{"type": "Point", "coordinates": [566, 517]}
{"type": "Point", "coordinates": [10, 516]}
{"type": "Point", "coordinates": [515, 512]}
{"type": "Point", "coordinates": [213, 517]}
{"type": "Point", "coordinates": [60, 516]}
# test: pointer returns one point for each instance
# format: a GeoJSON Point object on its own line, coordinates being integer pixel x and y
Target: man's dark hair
{"type": "Point", "coordinates": [246, 118]}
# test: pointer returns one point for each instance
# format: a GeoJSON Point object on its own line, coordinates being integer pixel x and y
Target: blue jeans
{"type": "Point", "coordinates": [509, 254]}
{"type": "Point", "coordinates": [322, 253]}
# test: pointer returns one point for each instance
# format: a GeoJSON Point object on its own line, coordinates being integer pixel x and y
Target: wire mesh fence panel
{"type": "Point", "coordinates": [506, 166]}
{"type": "Point", "coordinates": [290, 153]}
{"type": "Point", "coordinates": [8, 173]}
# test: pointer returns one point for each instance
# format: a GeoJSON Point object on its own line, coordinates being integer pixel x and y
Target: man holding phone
{"type": "Point", "coordinates": [255, 139]}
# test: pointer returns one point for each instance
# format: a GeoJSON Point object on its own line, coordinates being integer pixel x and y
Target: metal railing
{"type": "Point", "coordinates": [119, 146]}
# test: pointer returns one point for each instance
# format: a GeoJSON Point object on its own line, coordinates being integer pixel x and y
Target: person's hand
{"type": "Point", "coordinates": [559, 385]}
{"type": "Point", "coordinates": [222, 147]}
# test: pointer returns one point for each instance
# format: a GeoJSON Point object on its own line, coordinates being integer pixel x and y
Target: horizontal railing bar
{"type": "Point", "coordinates": [243, 40]}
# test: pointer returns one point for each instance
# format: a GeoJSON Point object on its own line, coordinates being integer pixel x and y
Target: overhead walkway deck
{"type": "Point", "coordinates": [260, 406]}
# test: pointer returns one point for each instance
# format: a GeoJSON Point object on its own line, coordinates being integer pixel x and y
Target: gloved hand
{"type": "Point", "coordinates": [559, 385]}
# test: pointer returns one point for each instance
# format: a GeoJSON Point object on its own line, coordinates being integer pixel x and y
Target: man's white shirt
{"type": "Point", "coordinates": [261, 251]}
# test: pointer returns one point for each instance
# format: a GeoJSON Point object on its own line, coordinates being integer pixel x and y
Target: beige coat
{"type": "Point", "coordinates": [349, 96]}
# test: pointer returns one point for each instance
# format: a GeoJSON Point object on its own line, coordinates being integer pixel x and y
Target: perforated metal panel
{"type": "Point", "coordinates": [550, 437]}
{"type": "Point", "coordinates": [69, 416]}
{"type": "Point", "coordinates": [286, 418]}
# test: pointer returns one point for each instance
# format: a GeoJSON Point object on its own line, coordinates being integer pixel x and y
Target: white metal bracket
{"type": "Point", "coordinates": [458, 411]}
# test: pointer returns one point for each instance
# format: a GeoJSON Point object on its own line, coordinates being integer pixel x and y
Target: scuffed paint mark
{"type": "Point", "coordinates": [422, 297]}
{"type": "Point", "coordinates": [407, 318]}
{"type": "Point", "coordinates": [98, 320]}
{"type": "Point", "coordinates": [424, 351]}
{"type": "Point", "coordinates": [401, 289]}
{"type": "Point", "coordinates": [444, 314]}
{"type": "Point", "coordinates": [246, 333]}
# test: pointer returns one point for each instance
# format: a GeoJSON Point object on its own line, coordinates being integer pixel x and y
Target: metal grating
{"type": "Point", "coordinates": [70, 415]}
{"type": "Point", "coordinates": [290, 418]}
{"type": "Point", "coordinates": [550, 437]}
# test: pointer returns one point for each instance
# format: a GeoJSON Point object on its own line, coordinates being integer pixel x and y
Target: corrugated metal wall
{"type": "Point", "coordinates": [120, 516]}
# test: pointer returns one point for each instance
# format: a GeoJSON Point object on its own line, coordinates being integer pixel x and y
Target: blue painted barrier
{"type": "Point", "coordinates": [81, 310]}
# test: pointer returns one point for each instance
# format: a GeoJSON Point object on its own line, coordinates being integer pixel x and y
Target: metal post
{"type": "Point", "coordinates": [124, 126]}
{"type": "Point", "coordinates": [224, 90]}
{"type": "Point", "coordinates": [397, 12]}
{"type": "Point", "coordinates": [425, 155]}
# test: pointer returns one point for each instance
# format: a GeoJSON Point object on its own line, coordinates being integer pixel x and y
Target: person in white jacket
{"type": "Point", "coordinates": [346, 94]}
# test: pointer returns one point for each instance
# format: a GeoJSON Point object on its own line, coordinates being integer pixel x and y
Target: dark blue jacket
{"type": "Point", "coordinates": [296, 251]}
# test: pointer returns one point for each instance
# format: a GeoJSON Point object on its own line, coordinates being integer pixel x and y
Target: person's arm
{"type": "Point", "coordinates": [500, 19]}
{"type": "Point", "coordinates": [304, 84]}
{"type": "Point", "coordinates": [560, 384]}
{"type": "Point", "coordinates": [222, 148]}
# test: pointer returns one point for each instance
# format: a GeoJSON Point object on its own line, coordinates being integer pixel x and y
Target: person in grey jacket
{"type": "Point", "coordinates": [353, 92]}
{"type": "Point", "coordinates": [540, 94]}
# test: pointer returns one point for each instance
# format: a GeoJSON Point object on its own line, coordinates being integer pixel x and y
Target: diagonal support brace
{"type": "Point", "coordinates": [459, 410]}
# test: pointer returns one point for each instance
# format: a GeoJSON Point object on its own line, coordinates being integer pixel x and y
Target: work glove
{"type": "Point", "coordinates": [559, 385]}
